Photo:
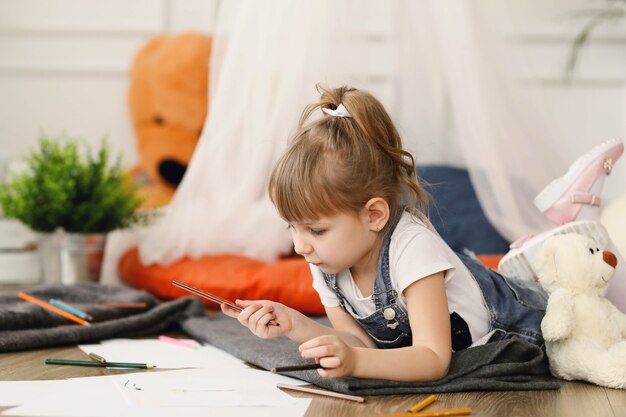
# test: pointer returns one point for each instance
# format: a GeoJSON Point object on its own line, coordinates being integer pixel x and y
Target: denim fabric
{"type": "Point", "coordinates": [515, 307]}
{"type": "Point", "coordinates": [388, 326]}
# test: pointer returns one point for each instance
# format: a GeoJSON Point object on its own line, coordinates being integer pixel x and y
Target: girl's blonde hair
{"type": "Point", "coordinates": [337, 164]}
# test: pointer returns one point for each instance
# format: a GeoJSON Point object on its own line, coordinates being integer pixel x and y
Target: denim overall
{"type": "Point", "coordinates": [515, 307]}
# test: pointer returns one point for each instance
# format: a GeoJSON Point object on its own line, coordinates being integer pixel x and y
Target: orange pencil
{"type": "Point", "coordinates": [52, 308]}
{"type": "Point", "coordinates": [423, 404]}
{"type": "Point", "coordinates": [445, 413]}
{"type": "Point", "coordinates": [437, 413]}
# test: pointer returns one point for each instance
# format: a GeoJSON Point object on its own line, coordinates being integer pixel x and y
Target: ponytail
{"type": "Point", "coordinates": [355, 156]}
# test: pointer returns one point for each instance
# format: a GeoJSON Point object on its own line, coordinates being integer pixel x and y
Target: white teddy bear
{"type": "Point", "coordinates": [585, 334]}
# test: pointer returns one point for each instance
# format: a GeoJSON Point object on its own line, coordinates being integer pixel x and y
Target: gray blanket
{"type": "Point", "coordinates": [24, 325]}
{"type": "Point", "coordinates": [504, 365]}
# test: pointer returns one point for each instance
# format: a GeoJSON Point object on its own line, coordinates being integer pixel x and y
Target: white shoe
{"type": "Point", "coordinates": [517, 263]}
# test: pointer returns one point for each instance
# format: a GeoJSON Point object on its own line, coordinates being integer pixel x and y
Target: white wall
{"type": "Point", "coordinates": [593, 104]}
{"type": "Point", "coordinates": [64, 66]}
{"type": "Point", "coordinates": [591, 107]}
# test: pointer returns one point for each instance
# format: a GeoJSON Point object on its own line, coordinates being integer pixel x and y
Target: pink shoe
{"type": "Point", "coordinates": [562, 200]}
{"type": "Point", "coordinates": [518, 262]}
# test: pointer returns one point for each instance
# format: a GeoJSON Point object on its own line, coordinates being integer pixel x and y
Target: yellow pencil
{"type": "Point", "coordinates": [445, 413]}
{"type": "Point", "coordinates": [437, 413]}
{"type": "Point", "coordinates": [423, 404]}
{"type": "Point", "coordinates": [52, 308]}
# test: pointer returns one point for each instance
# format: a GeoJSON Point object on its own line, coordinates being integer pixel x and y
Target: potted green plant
{"type": "Point", "coordinates": [73, 197]}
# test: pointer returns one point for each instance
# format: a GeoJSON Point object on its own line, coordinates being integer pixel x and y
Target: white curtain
{"type": "Point", "coordinates": [443, 77]}
{"type": "Point", "coordinates": [509, 146]}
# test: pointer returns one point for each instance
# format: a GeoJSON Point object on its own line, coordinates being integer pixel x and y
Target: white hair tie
{"type": "Point", "coordinates": [340, 111]}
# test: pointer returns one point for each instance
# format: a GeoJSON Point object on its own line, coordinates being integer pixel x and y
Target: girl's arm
{"type": "Point", "coordinates": [344, 327]}
{"type": "Point", "coordinates": [428, 359]}
{"type": "Point", "coordinates": [270, 319]}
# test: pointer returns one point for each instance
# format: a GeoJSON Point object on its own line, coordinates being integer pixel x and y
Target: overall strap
{"type": "Point", "coordinates": [383, 294]}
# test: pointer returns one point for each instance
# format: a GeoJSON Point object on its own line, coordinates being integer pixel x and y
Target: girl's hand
{"type": "Point", "coordinates": [257, 315]}
{"type": "Point", "coordinates": [336, 357]}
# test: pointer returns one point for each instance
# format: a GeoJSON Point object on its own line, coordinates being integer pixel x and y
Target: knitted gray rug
{"type": "Point", "coordinates": [25, 325]}
{"type": "Point", "coordinates": [511, 365]}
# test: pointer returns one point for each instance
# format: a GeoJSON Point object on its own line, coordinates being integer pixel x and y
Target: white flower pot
{"type": "Point", "coordinates": [70, 258]}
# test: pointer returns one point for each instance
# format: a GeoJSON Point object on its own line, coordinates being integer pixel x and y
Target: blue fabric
{"type": "Point", "coordinates": [392, 332]}
{"type": "Point", "coordinates": [516, 307]}
{"type": "Point", "coordinates": [456, 213]}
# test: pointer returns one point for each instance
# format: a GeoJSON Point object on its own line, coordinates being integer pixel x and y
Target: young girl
{"type": "Point", "coordinates": [399, 299]}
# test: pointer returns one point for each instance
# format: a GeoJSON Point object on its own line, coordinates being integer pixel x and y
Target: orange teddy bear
{"type": "Point", "coordinates": [168, 100]}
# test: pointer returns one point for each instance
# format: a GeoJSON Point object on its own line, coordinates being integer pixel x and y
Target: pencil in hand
{"type": "Point", "coordinates": [206, 295]}
{"type": "Point", "coordinates": [214, 298]}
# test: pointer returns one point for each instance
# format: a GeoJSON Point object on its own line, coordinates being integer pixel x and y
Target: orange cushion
{"type": "Point", "coordinates": [490, 261]}
{"type": "Point", "coordinates": [287, 280]}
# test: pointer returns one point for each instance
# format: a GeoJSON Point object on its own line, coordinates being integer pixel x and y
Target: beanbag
{"type": "Point", "coordinates": [287, 281]}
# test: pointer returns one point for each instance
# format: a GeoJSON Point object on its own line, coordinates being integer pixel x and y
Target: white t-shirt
{"type": "Point", "coordinates": [416, 252]}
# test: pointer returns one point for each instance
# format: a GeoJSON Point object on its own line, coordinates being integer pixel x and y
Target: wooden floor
{"type": "Point", "coordinates": [574, 399]}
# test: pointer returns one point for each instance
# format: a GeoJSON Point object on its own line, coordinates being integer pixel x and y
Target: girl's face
{"type": "Point", "coordinates": [335, 243]}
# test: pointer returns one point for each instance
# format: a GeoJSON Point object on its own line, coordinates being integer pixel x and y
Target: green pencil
{"type": "Point", "coordinates": [99, 364]}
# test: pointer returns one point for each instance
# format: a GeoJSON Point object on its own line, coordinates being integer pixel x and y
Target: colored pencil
{"type": "Point", "coordinates": [184, 343]}
{"type": "Point", "coordinates": [70, 309]}
{"type": "Point", "coordinates": [422, 404]}
{"type": "Point", "coordinates": [444, 413]}
{"type": "Point", "coordinates": [437, 413]}
{"type": "Point", "coordinates": [97, 357]}
{"type": "Point", "coordinates": [52, 308]}
{"type": "Point", "coordinates": [206, 295]}
{"type": "Point", "coordinates": [213, 298]}
{"type": "Point", "coordinates": [123, 305]}
{"type": "Point", "coordinates": [322, 392]}
{"type": "Point", "coordinates": [296, 368]}
{"type": "Point", "coordinates": [99, 364]}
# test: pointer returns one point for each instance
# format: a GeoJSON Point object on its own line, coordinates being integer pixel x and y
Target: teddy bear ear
{"type": "Point", "coordinates": [544, 264]}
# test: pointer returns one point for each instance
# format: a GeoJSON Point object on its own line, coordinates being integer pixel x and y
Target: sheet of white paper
{"type": "Point", "coordinates": [100, 396]}
{"type": "Point", "coordinates": [199, 388]}
{"type": "Point", "coordinates": [21, 392]}
{"type": "Point", "coordinates": [161, 354]}
{"type": "Point", "coordinates": [296, 410]}
{"type": "Point", "coordinates": [72, 397]}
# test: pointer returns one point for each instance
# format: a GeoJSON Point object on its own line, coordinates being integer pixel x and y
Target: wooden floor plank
{"type": "Point", "coordinates": [617, 400]}
{"type": "Point", "coordinates": [574, 399]}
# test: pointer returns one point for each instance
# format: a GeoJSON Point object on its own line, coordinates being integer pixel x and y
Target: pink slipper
{"type": "Point", "coordinates": [561, 201]}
